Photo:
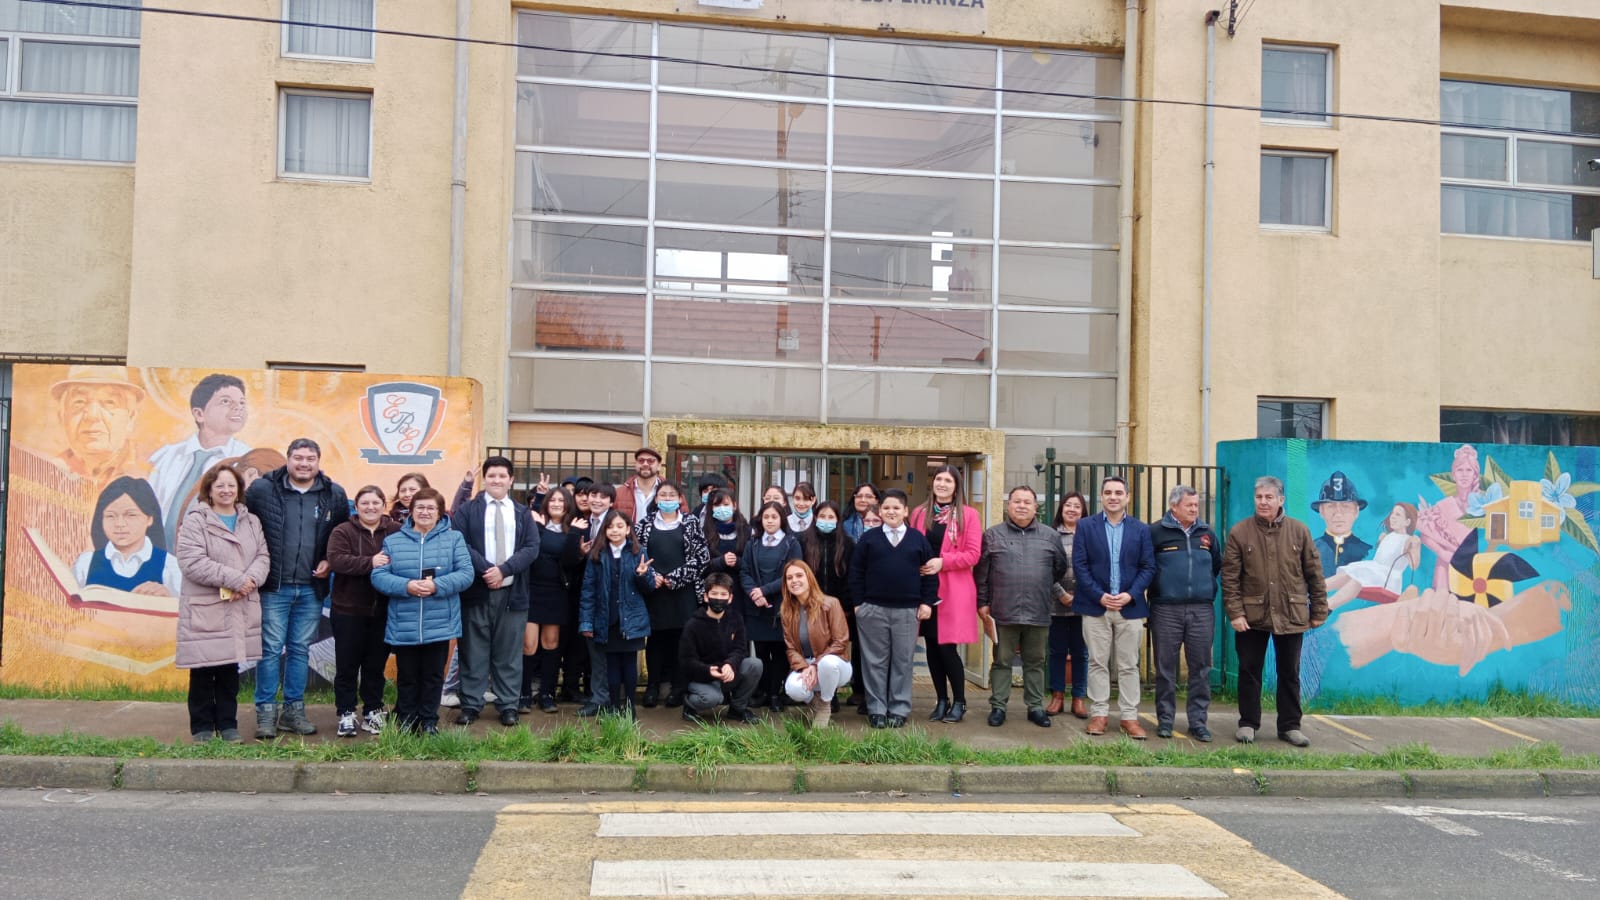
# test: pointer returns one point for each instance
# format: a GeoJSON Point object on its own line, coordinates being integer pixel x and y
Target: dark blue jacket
{"type": "Point", "coordinates": [1187, 565]}
{"type": "Point", "coordinates": [424, 620]}
{"type": "Point", "coordinates": [468, 519]}
{"type": "Point", "coordinates": [600, 596]}
{"type": "Point", "coordinates": [265, 497]}
{"type": "Point", "coordinates": [885, 575]}
{"type": "Point", "coordinates": [1091, 564]}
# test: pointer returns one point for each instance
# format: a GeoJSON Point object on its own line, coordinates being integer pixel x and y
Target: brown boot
{"type": "Point", "coordinates": [1057, 700]}
{"type": "Point", "coordinates": [1097, 725]}
{"type": "Point", "coordinates": [821, 712]}
{"type": "Point", "coordinates": [1080, 707]}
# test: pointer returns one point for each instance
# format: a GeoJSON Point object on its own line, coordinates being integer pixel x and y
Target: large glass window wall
{"type": "Point", "coordinates": [746, 224]}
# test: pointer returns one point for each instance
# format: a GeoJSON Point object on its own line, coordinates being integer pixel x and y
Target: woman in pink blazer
{"type": "Point", "coordinates": [956, 534]}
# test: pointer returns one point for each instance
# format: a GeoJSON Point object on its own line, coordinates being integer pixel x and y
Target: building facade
{"type": "Point", "coordinates": [942, 229]}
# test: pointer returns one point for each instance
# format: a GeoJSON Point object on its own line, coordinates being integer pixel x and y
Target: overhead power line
{"type": "Point", "coordinates": [768, 70]}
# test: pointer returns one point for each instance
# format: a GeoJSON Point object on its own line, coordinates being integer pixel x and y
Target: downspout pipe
{"type": "Point", "coordinates": [458, 188]}
{"type": "Point", "coordinates": [1130, 128]}
{"type": "Point", "coordinates": [1207, 450]}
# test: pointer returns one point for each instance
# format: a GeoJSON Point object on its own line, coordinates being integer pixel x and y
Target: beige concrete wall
{"type": "Point", "coordinates": [67, 231]}
{"type": "Point", "coordinates": [1347, 316]}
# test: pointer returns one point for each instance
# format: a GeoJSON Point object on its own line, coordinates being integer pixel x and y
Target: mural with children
{"type": "Point", "coordinates": [105, 460]}
{"type": "Point", "coordinates": [1451, 569]}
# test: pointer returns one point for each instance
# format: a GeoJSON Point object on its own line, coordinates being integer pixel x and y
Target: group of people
{"type": "Point", "coordinates": [786, 608]}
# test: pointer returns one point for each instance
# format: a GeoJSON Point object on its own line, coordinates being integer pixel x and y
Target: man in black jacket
{"type": "Point", "coordinates": [503, 543]}
{"type": "Point", "coordinates": [713, 655]}
{"type": "Point", "coordinates": [298, 507]}
{"type": "Point", "coordinates": [1182, 614]}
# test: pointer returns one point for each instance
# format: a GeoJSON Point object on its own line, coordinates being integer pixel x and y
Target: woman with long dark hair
{"type": "Point", "coordinates": [726, 532]}
{"type": "Point", "coordinates": [551, 580]}
{"type": "Point", "coordinates": [1066, 626]}
{"type": "Point", "coordinates": [761, 577]}
{"type": "Point", "coordinates": [675, 544]}
{"type": "Point", "coordinates": [827, 550]}
{"type": "Point", "coordinates": [955, 532]}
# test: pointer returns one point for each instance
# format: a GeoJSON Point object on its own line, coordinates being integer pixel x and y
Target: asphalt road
{"type": "Point", "coordinates": [61, 844]}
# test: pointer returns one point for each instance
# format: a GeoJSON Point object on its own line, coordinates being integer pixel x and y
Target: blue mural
{"type": "Point", "coordinates": [1451, 569]}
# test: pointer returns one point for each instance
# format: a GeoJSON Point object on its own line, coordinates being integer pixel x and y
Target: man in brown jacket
{"type": "Point", "coordinates": [1272, 589]}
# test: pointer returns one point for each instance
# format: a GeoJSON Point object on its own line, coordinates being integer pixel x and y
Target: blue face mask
{"type": "Point", "coordinates": [667, 506]}
{"type": "Point", "coordinates": [826, 526]}
{"type": "Point", "coordinates": [722, 513]}
{"type": "Point", "coordinates": [803, 514]}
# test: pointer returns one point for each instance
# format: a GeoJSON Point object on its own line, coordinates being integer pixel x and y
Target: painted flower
{"type": "Point", "coordinates": [1558, 493]}
{"type": "Point", "coordinates": [1477, 500]}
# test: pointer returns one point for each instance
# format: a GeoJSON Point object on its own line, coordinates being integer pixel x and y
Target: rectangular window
{"type": "Point", "coordinates": [1514, 426]}
{"type": "Point", "coordinates": [1525, 509]}
{"type": "Point", "coordinates": [1547, 521]}
{"type": "Point", "coordinates": [339, 42]}
{"type": "Point", "coordinates": [1514, 161]}
{"type": "Point", "coordinates": [1281, 418]}
{"type": "Point", "coordinates": [325, 135]}
{"type": "Point", "coordinates": [1296, 190]}
{"type": "Point", "coordinates": [64, 97]}
{"type": "Point", "coordinates": [1296, 85]}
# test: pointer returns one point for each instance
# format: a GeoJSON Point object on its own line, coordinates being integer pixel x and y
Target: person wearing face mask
{"type": "Point", "coordinates": [760, 576]}
{"type": "Point", "coordinates": [726, 533]}
{"type": "Point", "coordinates": [708, 484]}
{"type": "Point", "coordinates": [677, 544]}
{"type": "Point", "coordinates": [713, 656]}
{"type": "Point", "coordinates": [827, 550]}
{"type": "Point", "coordinates": [801, 503]}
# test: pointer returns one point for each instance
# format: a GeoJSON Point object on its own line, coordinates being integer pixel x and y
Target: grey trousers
{"type": "Point", "coordinates": [1190, 626]}
{"type": "Point", "coordinates": [887, 637]}
{"type": "Point", "coordinates": [1034, 643]}
{"type": "Point", "coordinates": [491, 651]}
{"type": "Point", "coordinates": [599, 675]}
{"type": "Point", "coordinates": [704, 696]}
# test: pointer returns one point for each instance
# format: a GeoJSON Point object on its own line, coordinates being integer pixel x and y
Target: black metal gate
{"type": "Point", "coordinates": [1148, 487]}
{"type": "Point", "coordinates": [834, 475]}
{"type": "Point", "coordinates": [528, 463]}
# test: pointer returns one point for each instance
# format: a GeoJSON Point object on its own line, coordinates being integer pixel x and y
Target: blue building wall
{"type": "Point", "coordinates": [1492, 598]}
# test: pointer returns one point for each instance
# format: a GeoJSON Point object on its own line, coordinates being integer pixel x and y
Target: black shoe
{"type": "Point", "coordinates": [897, 721]}
{"type": "Point", "coordinates": [467, 717]}
{"type": "Point", "coordinates": [565, 695]}
{"type": "Point", "coordinates": [833, 707]}
{"type": "Point", "coordinates": [877, 721]}
{"type": "Point", "coordinates": [955, 713]}
{"type": "Point", "coordinates": [689, 716]}
{"type": "Point", "coordinates": [1163, 729]}
{"type": "Point", "coordinates": [1039, 717]}
{"type": "Point", "coordinates": [524, 704]}
{"type": "Point", "coordinates": [650, 699]}
{"type": "Point", "coordinates": [589, 710]}
{"type": "Point", "coordinates": [432, 728]}
{"type": "Point", "coordinates": [997, 717]}
{"type": "Point", "coordinates": [1201, 734]}
{"type": "Point", "coordinates": [547, 704]}
{"type": "Point", "coordinates": [674, 700]}
{"type": "Point", "coordinates": [508, 717]}
{"type": "Point", "coordinates": [861, 708]}
{"type": "Point", "coordinates": [939, 709]}
{"type": "Point", "coordinates": [742, 716]}
{"type": "Point", "coordinates": [776, 706]}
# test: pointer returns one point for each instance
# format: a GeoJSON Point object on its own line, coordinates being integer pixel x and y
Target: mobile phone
{"type": "Point", "coordinates": [430, 572]}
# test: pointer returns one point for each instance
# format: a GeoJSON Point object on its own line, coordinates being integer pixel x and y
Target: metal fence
{"type": "Point", "coordinates": [5, 480]}
{"type": "Point", "coordinates": [607, 466]}
{"type": "Point", "coordinates": [1148, 486]}
{"type": "Point", "coordinates": [833, 475]}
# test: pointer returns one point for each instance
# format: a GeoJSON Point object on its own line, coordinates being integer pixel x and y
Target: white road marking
{"type": "Point", "coordinates": [670, 825]}
{"type": "Point", "coordinates": [1547, 866]}
{"type": "Point", "coordinates": [1449, 826]}
{"type": "Point", "coordinates": [924, 878]}
{"type": "Point", "coordinates": [1420, 811]}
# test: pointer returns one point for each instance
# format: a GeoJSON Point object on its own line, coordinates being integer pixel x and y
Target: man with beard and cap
{"type": "Point", "coordinates": [1340, 506]}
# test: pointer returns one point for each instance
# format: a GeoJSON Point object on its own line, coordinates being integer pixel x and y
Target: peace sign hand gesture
{"type": "Point", "coordinates": [644, 565]}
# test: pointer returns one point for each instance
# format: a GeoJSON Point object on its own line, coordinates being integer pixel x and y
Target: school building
{"type": "Point", "coordinates": [890, 231]}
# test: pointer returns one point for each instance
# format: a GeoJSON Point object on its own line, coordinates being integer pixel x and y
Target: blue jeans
{"type": "Point", "coordinates": [289, 620]}
{"type": "Point", "coordinates": [1066, 637]}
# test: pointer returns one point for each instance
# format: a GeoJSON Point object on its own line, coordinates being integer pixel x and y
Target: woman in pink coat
{"type": "Point", "coordinates": [223, 556]}
{"type": "Point", "coordinates": [955, 532]}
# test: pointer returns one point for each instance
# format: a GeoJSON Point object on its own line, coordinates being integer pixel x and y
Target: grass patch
{"type": "Point", "coordinates": [621, 741]}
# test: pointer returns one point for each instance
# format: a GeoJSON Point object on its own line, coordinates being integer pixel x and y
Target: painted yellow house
{"type": "Point", "coordinates": [1522, 518]}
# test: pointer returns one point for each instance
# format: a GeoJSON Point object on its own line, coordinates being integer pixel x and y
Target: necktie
{"type": "Point", "coordinates": [500, 532]}
{"type": "Point", "coordinates": [175, 514]}
{"type": "Point", "coordinates": [894, 537]}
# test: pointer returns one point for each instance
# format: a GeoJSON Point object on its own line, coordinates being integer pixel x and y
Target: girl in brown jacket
{"type": "Point", "coordinates": [816, 636]}
{"type": "Point", "coordinates": [223, 556]}
{"type": "Point", "coordinates": [359, 612]}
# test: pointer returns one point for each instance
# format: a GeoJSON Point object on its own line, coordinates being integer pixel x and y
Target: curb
{"type": "Point", "coordinates": [505, 777]}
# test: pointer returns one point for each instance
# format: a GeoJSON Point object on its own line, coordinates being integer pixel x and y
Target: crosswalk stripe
{"type": "Point", "coordinates": [678, 825]}
{"type": "Point", "coordinates": [922, 878]}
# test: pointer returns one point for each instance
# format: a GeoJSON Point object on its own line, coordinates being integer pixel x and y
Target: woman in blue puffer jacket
{"type": "Point", "coordinates": [428, 568]}
{"type": "Point", "coordinates": [612, 610]}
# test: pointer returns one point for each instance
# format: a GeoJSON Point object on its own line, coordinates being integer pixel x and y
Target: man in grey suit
{"type": "Point", "coordinates": [504, 543]}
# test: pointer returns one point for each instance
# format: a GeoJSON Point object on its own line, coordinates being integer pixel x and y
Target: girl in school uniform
{"type": "Point", "coordinates": [761, 577]}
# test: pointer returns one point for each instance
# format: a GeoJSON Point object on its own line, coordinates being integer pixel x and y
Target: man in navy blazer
{"type": "Point", "coordinates": [503, 542]}
{"type": "Point", "coordinates": [1114, 562]}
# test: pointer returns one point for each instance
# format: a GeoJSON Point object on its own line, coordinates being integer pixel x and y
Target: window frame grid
{"type": "Point", "coordinates": [283, 40]}
{"type": "Point", "coordinates": [11, 86]}
{"type": "Point", "coordinates": [1327, 192]}
{"type": "Point", "coordinates": [283, 147]}
{"type": "Point", "coordinates": [1327, 120]}
{"type": "Point", "coordinates": [1513, 139]}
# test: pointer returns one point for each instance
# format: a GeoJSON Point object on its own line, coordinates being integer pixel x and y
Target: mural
{"type": "Point", "coordinates": [1451, 569]}
{"type": "Point", "coordinates": [104, 460]}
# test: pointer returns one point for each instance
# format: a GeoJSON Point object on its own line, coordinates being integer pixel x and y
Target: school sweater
{"type": "Point", "coordinates": [885, 575]}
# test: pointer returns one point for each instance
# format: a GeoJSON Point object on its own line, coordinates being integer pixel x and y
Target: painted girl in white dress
{"type": "Point", "coordinates": [1399, 549]}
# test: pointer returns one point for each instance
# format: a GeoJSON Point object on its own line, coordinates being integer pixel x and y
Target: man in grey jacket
{"type": "Point", "coordinates": [1018, 575]}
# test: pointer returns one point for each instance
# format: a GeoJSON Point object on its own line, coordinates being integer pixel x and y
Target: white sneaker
{"type": "Point", "coordinates": [1245, 735]}
{"type": "Point", "coordinates": [450, 700]}
{"type": "Point", "coordinates": [347, 724]}
{"type": "Point", "coordinates": [372, 723]}
{"type": "Point", "coordinates": [489, 697]}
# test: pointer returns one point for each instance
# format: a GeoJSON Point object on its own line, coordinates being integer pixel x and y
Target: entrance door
{"type": "Point", "coordinates": [833, 475]}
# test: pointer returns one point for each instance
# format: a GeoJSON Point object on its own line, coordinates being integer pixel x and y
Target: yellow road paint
{"type": "Point", "coordinates": [1504, 730]}
{"type": "Point", "coordinates": [551, 850]}
{"type": "Point", "coordinates": [1344, 728]}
